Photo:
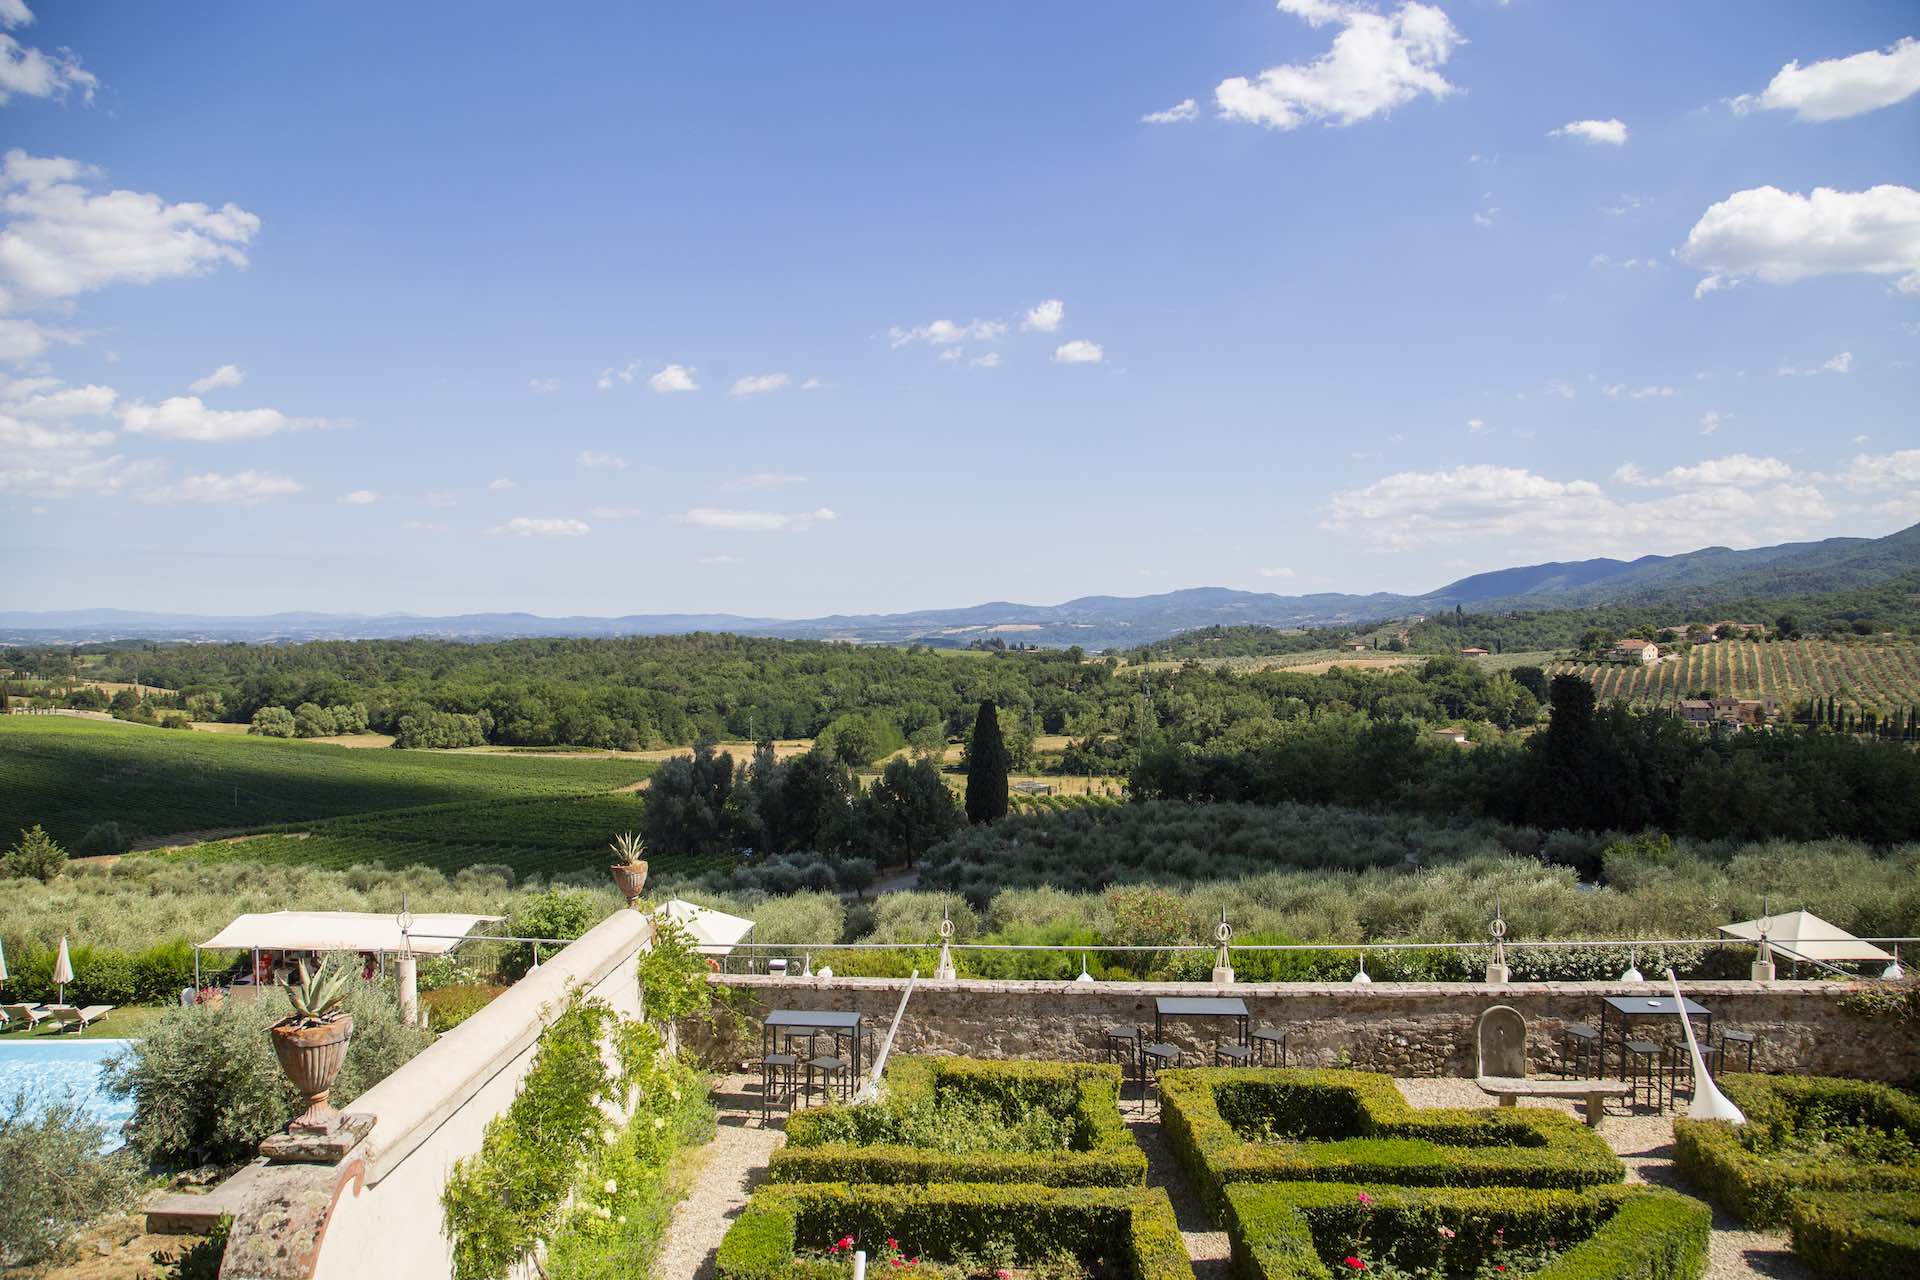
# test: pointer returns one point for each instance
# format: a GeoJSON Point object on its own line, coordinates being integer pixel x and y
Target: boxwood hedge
{"type": "Point", "coordinates": [1132, 1228]}
{"type": "Point", "coordinates": [1293, 1231]}
{"type": "Point", "coordinates": [1103, 1152]}
{"type": "Point", "coordinates": [1857, 1233]}
{"type": "Point", "coordinates": [1757, 1175]}
{"type": "Point", "coordinates": [1260, 1125]}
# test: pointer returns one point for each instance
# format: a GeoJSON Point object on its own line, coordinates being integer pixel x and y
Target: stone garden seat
{"type": "Point", "coordinates": [1500, 1067]}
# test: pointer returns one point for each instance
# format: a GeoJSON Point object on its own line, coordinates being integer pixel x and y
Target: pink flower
{"type": "Point", "coordinates": [1446, 1233]}
{"type": "Point", "coordinates": [1353, 1263]}
{"type": "Point", "coordinates": [1366, 1199]}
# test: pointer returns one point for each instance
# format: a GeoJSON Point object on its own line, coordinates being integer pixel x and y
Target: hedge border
{"type": "Point", "coordinates": [1371, 1135]}
{"type": "Point", "coordinates": [1857, 1233]}
{"type": "Point", "coordinates": [1111, 1157]}
{"type": "Point", "coordinates": [1759, 1190]}
{"type": "Point", "coordinates": [781, 1218]}
{"type": "Point", "coordinates": [1631, 1233]}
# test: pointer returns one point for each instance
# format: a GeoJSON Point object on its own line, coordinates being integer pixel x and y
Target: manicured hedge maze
{"type": "Point", "coordinates": [1803, 1134]}
{"type": "Point", "coordinates": [1849, 1234]}
{"type": "Point", "coordinates": [1302, 1230]}
{"type": "Point", "coordinates": [1102, 1152]}
{"type": "Point", "coordinates": [1254, 1125]}
{"type": "Point", "coordinates": [1127, 1231]}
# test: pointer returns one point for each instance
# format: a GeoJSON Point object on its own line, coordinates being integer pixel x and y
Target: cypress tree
{"type": "Point", "coordinates": [987, 766]}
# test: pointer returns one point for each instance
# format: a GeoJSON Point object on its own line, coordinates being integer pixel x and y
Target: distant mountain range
{"type": "Point", "coordinates": [1695, 580]}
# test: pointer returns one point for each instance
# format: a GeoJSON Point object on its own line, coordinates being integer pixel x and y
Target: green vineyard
{"type": "Point", "coordinates": [68, 774]}
{"type": "Point", "coordinates": [542, 836]}
{"type": "Point", "coordinates": [1882, 678]}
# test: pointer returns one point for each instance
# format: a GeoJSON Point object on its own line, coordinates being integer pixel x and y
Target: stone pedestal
{"type": "Point", "coordinates": [318, 1148]}
{"type": "Point", "coordinates": [1762, 971]}
{"type": "Point", "coordinates": [1223, 975]}
{"type": "Point", "coordinates": [406, 970]}
{"type": "Point", "coordinates": [1498, 974]}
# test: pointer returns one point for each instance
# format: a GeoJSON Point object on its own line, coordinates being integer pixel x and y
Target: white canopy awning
{"type": "Point", "coordinates": [715, 931]}
{"type": "Point", "coordinates": [431, 935]}
{"type": "Point", "coordinates": [1801, 935]}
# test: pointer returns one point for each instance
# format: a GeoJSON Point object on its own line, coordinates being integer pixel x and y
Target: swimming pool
{"type": "Point", "coordinates": [47, 1070]}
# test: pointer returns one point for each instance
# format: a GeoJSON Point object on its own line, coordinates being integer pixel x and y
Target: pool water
{"type": "Point", "coordinates": [51, 1070]}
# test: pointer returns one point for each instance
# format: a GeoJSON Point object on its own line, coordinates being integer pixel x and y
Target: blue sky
{"type": "Point", "coordinates": [791, 310]}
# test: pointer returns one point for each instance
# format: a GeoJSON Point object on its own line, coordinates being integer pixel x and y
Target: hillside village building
{"type": "Point", "coordinates": [1644, 652]}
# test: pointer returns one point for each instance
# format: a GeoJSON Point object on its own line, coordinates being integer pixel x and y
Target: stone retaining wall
{"type": "Point", "coordinates": [1407, 1029]}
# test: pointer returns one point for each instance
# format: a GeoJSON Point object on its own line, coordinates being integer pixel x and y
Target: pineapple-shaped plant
{"type": "Point", "coordinates": [630, 873]}
{"type": "Point", "coordinates": [311, 1042]}
{"type": "Point", "coordinates": [318, 995]}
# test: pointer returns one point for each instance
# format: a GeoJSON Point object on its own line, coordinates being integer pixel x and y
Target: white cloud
{"type": "Point", "coordinates": [1883, 471]}
{"type": "Point", "coordinates": [1185, 109]}
{"type": "Point", "coordinates": [545, 386]}
{"type": "Point", "coordinates": [598, 461]}
{"type": "Point", "coordinates": [1511, 508]}
{"type": "Point", "coordinates": [1046, 317]}
{"type": "Point", "coordinates": [1601, 261]}
{"type": "Point", "coordinates": [608, 377]}
{"type": "Point", "coordinates": [186, 418]}
{"type": "Point", "coordinates": [954, 353]}
{"type": "Point", "coordinates": [942, 333]}
{"type": "Point", "coordinates": [361, 498]}
{"type": "Point", "coordinates": [1486, 217]}
{"type": "Point", "coordinates": [1841, 87]}
{"type": "Point", "coordinates": [758, 384]}
{"type": "Point", "coordinates": [1079, 351]}
{"type": "Point", "coordinates": [1376, 63]}
{"type": "Point", "coordinates": [439, 498]}
{"type": "Point", "coordinates": [544, 527]}
{"type": "Point", "coordinates": [1614, 391]}
{"type": "Point", "coordinates": [62, 240]}
{"type": "Point", "coordinates": [1476, 425]}
{"type": "Point", "coordinates": [1611, 132]}
{"type": "Point", "coordinates": [1781, 236]}
{"type": "Point", "coordinates": [991, 360]}
{"type": "Point", "coordinates": [1562, 389]}
{"type": "Point", "coordinates": [758, 521]}
{"type": "Point", "coordinates": [242, 488]}
{"type": "Point", "coordinates": [1842, 363]}
{"type": "Point", "coordinates": [45, 398]}
{"type": "Point", "coordinates": [30, 71]}
{"type": "Point", "coordinates": [500, 486]}
{"type": "Point", "coordinates": [722, 558]}
{"type": "Point", "coordinates": [767, 480]}
{"type": "Point", "coordinates": [1738, 470]}
{"type": "Point", "coordinates": [227, 375]}
{"type": "Point", "coordinates": [1710, 422]}
{"type": "Point", "coordinates": [1276, 573]}
{"type": "Point", "coordinates": [812, 384]}
{"type": "Point", "coordinates": [675, 377]}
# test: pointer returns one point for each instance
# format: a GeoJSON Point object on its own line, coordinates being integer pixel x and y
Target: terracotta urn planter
{"type": "Point", "coordinates": [312, 1057]}
{"type": "Point", "coordinates": [630, 878]}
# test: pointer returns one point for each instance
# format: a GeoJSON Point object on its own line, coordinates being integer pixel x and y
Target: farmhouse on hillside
{"type": "Point", "coordinates": [1644, 652]}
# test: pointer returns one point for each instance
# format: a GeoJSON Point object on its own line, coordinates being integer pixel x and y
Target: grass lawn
{"type": "Point", "coordinates": [128, 1022]}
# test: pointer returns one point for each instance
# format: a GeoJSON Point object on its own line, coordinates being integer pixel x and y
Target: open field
{"type": "Point", "coordinates": [68, 774]}
{"type": "Point", "coordinates": [1877, 675]}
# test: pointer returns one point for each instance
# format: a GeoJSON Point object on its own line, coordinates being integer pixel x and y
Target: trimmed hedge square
{"type": "Point", "coordinates": [1857, 1233]}
{"type": "Point", "coordinates": [1133, 1229]}
{"type": "Point", "coordinates": [1102, 1153]}
{"type": "Point", "coordinates": [1305, 1230]}
{"type": "Point", "coordinates": [1353, 1126]}
{"type": "Point", "coordinates": [1758, 1187]}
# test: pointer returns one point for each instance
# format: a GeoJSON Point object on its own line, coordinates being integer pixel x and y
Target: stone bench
{"type": "Point", "coordinates": [1510, 1089]}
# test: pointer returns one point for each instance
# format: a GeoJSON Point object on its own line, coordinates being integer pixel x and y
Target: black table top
{"type": "Point", "coordinates": [1201, 1006]}
{"type": "Point", "coordinates": [812, 1018]}
{"type": "Point", "coordinates": [1652, 1005]}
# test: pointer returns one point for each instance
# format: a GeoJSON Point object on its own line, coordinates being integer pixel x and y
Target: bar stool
{"type": "Point", "coordinates": [1121, 1045]}
{"type": "Point", "coordinates": [833, 1075]}
{"type": "Point", "coordinates": [1269, 1044]}
{"type": "Point", "coordinates": [1737, 1039]}
{"type": "Point", "coordinates": [1645, 1059]}
{"type": "Point", "coordinates": [1227, 1054]}
{"type": "Point", "coordinates": [1155, 1058]}
{"type": "Point", "coordinates": [1579, 1047]}
{"type": "Point", "coordinates": [776, 1069]}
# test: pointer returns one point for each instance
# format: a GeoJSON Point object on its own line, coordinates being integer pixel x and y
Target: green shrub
{"type": "Point", "coordinates": [1134, 1227]}
{"type": "Point", "coordinates": [1293, 1231]}
{"type": "Point", "coordinates": [1803, 1133]}
{"type": "Point", "coordinates": [273, 722]}
{"type": "Point", "coordinates": [1845, 1234]}
{"type": "Point", "coordinates": [962, 1120]}
{"type": "Point", "coordinates": [448, 1007]}
{"type": "Point", "coordinates": [1255, 1125]}
{"type": "Point", "coordinates": [34, 855]}
{"type": "Point", "coordinates": [56, 1178]}
{"type": "Point", "coordinates": [206, 1086]}
{"type": "Point", "coordinates": [103, 837]}
{"type": "Point", "coordinates": [103, 977]}
{"type": "Point", "coordinates": [162, 971]}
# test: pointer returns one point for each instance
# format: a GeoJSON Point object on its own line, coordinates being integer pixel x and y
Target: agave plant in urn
{"type": "Point", "coordinates": [630, 873]}
{"type": "Point", "coordinates": [311, 1042]}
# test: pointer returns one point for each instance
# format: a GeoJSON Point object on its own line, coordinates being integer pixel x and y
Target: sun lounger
{"type": "Point", "coordinates": [69, 1017]}
{"type": "Point", "coordinates": [26, 1015]}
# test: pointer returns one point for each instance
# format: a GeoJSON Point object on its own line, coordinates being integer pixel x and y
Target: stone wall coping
{"type": "Point", "coordinates": [1346, 990]}
{"type": "Point", "coordinates": [413, 1102]}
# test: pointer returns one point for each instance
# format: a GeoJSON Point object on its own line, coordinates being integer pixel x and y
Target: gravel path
{"type": "Point", "coordinates": [1644, 1142]}
{"type": "Point", "coordinates": [1206, 1246]}
{"type": "Point", "coordinates": [735, 1162]}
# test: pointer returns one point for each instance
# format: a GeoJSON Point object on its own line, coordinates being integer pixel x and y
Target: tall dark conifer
{"type": "Point", "coordinates": [987, 766]}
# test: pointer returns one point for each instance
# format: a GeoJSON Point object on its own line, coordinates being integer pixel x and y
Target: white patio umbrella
{"type": "Point", "coordinates": [63, 969]}
{"type": "Point", "coordinates": [3, 961]}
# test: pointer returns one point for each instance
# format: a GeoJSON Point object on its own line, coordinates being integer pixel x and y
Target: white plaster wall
{"type": "Point", "coordinates": [432, 1111]}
